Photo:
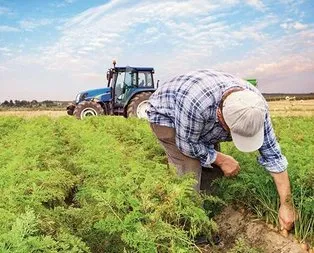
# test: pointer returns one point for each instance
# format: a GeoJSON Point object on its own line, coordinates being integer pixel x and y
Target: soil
{"type": "Point", "coordinates": [236, 224]}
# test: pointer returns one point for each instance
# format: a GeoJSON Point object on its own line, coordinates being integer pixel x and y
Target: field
{"type": "Point", "coordinates": [102, 185]}
{"type": "Point", "coordinates": [292, 108]}
{"type": "Point", "coordinates": [278, 108]}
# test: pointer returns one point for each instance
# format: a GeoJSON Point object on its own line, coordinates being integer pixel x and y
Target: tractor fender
{"type": "Point", "coordinates": [132, 96]}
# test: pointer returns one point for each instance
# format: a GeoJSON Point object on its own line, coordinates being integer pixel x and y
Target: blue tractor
{"type": "Point", "coordinates": [127, 94]}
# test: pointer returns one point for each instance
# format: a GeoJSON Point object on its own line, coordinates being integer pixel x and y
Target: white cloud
{"type": "Point", "coordinates": [31, 24]}
{"type": "Point", "coordinates": [258, 4]}
{"type": "Point", "coordinates": [64, 3]}
{"type": "Point", "coordinates": [3, 68]}
{"type": "Point", "coordinates": [299, 26]}
{"type": "Point", "coordinates": [283, 59]}
{"type": "Point", "coordinates": [293, 25]}
{"type": "Point", "coordinates": [5, 49]}
{"type": "Point", "coordinates": [5, 11]}
{"type": "Point", "coordinates": [5, 28]}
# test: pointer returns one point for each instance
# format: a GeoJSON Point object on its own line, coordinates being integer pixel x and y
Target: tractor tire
{"type": "Point", "coordinates": [70, 109]}
{"type": "Point", "coordinates": [138, 105]}
{"type": "Point", "coordinates": [87, 109]}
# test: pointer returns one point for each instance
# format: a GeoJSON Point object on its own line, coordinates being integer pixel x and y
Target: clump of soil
{"type": "Point", "coordinates": [235, 225]}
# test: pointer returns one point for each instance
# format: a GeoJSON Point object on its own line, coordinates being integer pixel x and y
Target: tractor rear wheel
{"type": "Point", "coordinates": [87, 109]}
{"type": "Point", "coordinates": [138, 105]}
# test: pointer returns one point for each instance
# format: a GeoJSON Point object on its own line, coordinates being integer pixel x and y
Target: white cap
{"type": "Point", "coordinates": [244, 112]}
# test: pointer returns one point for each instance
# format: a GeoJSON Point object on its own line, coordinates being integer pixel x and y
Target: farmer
{"type": "Point", "coordinates": [191, 113]}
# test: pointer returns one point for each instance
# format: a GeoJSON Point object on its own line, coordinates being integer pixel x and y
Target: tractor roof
{"type": "Point", "coordinates": [135, 68]}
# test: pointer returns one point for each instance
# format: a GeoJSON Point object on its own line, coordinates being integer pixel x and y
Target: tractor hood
{"type": "Point", "coordinates": [103, 94]}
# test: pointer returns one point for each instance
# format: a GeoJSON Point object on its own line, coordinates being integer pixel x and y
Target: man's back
{"type": "Point", "coordinates": [196, 94]}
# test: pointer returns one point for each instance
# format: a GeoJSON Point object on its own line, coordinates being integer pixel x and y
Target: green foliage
{"type": "Point", "coordinates": [97, 185]}
{"type": "Point", "coordinates": [24, 236]}
{"type": "Point", "coordinates": [255, 189]}
{"type": "Point", "coordinates": [102, 185]}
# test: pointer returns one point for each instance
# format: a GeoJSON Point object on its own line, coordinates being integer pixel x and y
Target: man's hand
{"type": "Point", "coordinates": [228, 164]}
{"type": "Point", "coordinates": [286, 216]}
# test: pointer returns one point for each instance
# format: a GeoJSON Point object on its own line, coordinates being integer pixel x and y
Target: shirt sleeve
{"type": "Point", "coordinates": [189, 124]}
{"type": "Point", "coordinates": [270, 154]}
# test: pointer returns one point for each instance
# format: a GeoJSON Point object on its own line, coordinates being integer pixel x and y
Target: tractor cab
{"type": "Point", "coordinates": [125, 82]}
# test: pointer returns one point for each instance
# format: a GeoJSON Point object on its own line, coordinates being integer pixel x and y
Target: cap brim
{"type": "Point", "coordinates": [248, 144]}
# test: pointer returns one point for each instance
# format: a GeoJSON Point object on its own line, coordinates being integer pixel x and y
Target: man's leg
{"type": "Point", "coordinates": [183, 163]}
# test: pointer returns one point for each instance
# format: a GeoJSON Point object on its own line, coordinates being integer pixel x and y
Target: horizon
{"type": "Point", "coordinates": [51, 50]}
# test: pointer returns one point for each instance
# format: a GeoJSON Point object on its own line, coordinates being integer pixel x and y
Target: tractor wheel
{"type": "Point", "coordinates": [138, 105]}
{"type": "Point", "coordinates": [70, 109]}
{"type": "Point", "coordinates": [87, 109]}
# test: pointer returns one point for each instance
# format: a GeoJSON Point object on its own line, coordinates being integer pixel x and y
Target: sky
{"type": "Point", "coordinates": [53, 49]}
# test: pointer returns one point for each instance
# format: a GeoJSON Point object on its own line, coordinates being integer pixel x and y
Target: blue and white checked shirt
{"type": "Point", "coordinates": [189, 104]}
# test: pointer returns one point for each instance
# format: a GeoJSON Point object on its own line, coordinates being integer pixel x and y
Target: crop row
{"type": "Point", "coordinates": [98, 185]}
{"type": "Point", "coordinates": [102, 185]}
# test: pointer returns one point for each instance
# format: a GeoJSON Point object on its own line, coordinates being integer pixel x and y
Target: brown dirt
{"type": "Point", "coordinates": [234, 224]}
{"type": "Point", "coordinates": [238, 224]}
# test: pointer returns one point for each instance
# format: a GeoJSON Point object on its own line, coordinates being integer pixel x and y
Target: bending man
{"type": "Point", "coordinates": [191, 113]}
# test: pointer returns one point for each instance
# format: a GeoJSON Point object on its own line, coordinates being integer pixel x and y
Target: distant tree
{"type": "Point", "coordinates": [48, 103]}
{"type": "Point", "coordinates": [6, 103]}
{"type": "Point", "coordinates": [34, 103]}
{"type": "Point", "coordinates": [11, 103]}
{"type": "Point", "coordinates": [17, 103]}
{"type": "Point", "coordinates": [24, 103]}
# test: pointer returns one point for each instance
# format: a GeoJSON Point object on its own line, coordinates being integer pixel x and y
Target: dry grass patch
{"type": "Point", "coordinates": [292, 108]}
{"type": "Point", "coordinates": [29, 114]}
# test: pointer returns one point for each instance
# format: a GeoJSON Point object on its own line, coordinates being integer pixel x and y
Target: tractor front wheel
{"type": "Point", "coordinates": [138, 105]}
{"type": "Point", "coordinates": [70, 109]}
{"type": "Point", "coordinates": [87, 109]}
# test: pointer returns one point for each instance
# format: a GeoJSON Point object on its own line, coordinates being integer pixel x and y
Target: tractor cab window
{"type": "Point", "coordinates": [125, 81]}
{"type": "Point", "coordinates": [130, 78]}
{"type": "Point", "coordinates": [119, 85]}
{"type": "Point", "coordinates": [145, 79]}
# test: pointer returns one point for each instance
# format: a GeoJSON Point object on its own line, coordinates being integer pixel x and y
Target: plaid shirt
{"type": "Point", "coordinates": [189, 104]}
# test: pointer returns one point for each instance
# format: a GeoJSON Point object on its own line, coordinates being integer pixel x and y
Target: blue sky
{"type": "Point", "coordinates": [54, 48]}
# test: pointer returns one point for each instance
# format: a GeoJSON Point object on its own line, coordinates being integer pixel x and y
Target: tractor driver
{"type": "Point", "coordinates": [192, 112]}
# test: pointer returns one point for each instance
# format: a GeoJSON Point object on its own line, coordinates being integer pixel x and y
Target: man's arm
{"type": "Point", "coordinates": [286, 211]}
{"type": "Point", "coordinates": [276, 163]}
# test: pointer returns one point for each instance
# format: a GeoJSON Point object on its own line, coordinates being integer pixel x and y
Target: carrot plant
{"type": "Point", "coordinates": [102, 185]}
{"type": "Point", "coordinates": [255, 189]}
{"type": "Point", "coordinates": [98, 185]}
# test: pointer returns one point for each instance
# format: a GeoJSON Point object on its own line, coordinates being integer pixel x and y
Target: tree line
{"type": "Point", "coordinates": [32, 103]}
